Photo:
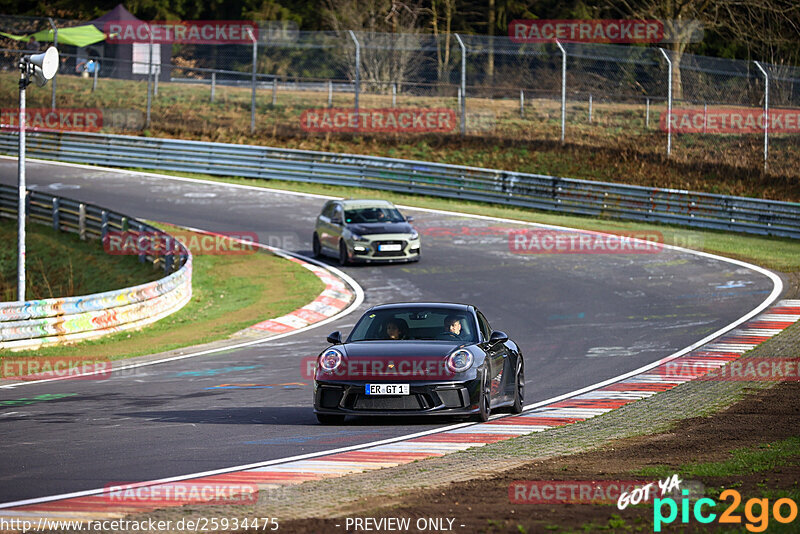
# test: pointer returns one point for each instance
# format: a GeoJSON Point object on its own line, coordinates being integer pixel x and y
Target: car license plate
{"type": "Point", "coordinates": [390, 248]}
{"type": "Point", "coordinates": [388, 389]}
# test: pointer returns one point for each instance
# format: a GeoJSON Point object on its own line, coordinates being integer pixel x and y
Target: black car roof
{"type": "Point", "coordinates": [448, 305]}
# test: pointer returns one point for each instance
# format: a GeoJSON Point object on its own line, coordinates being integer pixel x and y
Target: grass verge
{"type": "Point", "coordinates": [743, 461]}
{"type": "Point", "coordinates": [230, 292]}
{"type": "Point", "coordinates": [59, 264]}
{"type": "Point", "coordinates": [781, 254]}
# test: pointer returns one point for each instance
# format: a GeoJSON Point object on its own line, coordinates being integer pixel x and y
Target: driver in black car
{"type": "Point", "coordinates": [452, 328]}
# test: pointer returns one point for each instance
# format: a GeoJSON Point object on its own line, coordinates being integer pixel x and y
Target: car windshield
{"type": "Point", "coordinates": [416, 323]}
{"type": "Point", "coordinates": [372, 215]}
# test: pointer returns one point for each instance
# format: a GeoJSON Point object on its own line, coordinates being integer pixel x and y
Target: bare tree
{"type": "Point", "coordinates": [491, 22]}
{"type": "Point", "coordinates": [680, 18]}
{"type": "Point", "coordinates": [389, 34]}
{"type": "Point", "coordinates": [769, 29]}
{"type": "Point", "coordinates": [442, 10]}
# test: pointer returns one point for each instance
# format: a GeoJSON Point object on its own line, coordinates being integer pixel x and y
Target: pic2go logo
{"type": "Point", "coordinates": [757, 522]}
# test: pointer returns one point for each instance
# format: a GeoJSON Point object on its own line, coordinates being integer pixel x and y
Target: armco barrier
{"type": "Point", "coordinates": [671, 206]}
{"type": "Point", "coordinates": [34, 323]}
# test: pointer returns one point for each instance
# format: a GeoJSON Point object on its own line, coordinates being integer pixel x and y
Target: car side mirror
{"type": "Point", "coordinates": [498, 337]}
{"type": "Point", "coordinates": [409, 218]}
{"type": "Point", "coordinates": [335, 338]}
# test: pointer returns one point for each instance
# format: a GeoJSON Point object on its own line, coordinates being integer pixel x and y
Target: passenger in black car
{"type": "Point", "coordinates": [396, 329]}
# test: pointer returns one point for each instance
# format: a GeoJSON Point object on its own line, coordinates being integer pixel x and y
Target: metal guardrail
{"type": "Point", "coordinates": [34, 323]}
{"type": "Point", "coordinates": [567, 195]}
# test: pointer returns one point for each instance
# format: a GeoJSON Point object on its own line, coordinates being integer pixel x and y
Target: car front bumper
{"type": "Point", "coordinates": [369, 250]}
{"type": "Point", "coordinates": [425, 398]}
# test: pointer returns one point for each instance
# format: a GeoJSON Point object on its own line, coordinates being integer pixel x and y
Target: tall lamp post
{"type": "Point", "coordinates": [33, 68]}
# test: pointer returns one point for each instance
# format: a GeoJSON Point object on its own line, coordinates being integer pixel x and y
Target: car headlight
{"type": "Point", "coordinates": [460, 360]}
{"type": "Point", "coordinates": [357, 237]}
{"type": "Point", "coordinates": [414, 234]}
{"type": "Point", "coordinates": [330, 360]}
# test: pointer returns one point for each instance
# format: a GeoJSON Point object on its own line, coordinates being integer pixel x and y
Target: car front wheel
{"type": "Point", "coordinates": [315, 246]}
{"type": "Point", "coordinates": [343, 259]}
{"type": "Point", "coordinates": [519, 389]}
{"type": "Point", "coordinates": [485, 399]}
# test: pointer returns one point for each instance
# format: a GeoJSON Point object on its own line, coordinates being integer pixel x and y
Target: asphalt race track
{"type": "Point", "coordinates": [579, 318]}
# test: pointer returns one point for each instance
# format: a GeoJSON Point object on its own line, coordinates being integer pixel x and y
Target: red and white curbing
{"type": "Point", "coordinates": [458, 437]}
{"type": "Point", "coordinates": [336, 297]}
{"type": "Point", "coordinates": [332, 300]}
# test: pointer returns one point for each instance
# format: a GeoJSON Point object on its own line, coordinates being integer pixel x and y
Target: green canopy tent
{"type": "Point", "coordinates": [79, 36]}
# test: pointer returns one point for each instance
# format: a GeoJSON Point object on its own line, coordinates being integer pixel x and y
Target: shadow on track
{"type": "Point", "coordinates": [277, 415]}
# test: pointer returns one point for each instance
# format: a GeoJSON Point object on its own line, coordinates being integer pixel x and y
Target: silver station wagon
{"type": "Point", "coordinates": [365, 231]}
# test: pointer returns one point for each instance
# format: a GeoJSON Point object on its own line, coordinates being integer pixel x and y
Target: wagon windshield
{"type": "Point", "coordinates": [416, 323]}
{"type": "Point", "coordinates": [373, 215]}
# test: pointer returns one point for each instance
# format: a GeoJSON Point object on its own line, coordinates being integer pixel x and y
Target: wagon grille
{"type": "Point", "coordinates": [389, 253]}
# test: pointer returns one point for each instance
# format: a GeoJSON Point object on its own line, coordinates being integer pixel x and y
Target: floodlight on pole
{"type": "Point", "coordinates": [55, 45]}
{"type": "Point", "coordinates": [33, 68]}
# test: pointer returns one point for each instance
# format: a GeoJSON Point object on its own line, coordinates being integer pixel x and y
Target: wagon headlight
{"type": "Point", "coordinates": [330, 360]}
{"type": "Point", "coordinates": [460, 360]}
{"type": "Point", "coordinates": [414, 234]}
{"type": "Point", "coordinates": [357, 237]}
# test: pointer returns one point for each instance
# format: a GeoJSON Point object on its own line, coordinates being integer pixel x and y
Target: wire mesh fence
{"type": "Point", "coordinates": [735, 112]}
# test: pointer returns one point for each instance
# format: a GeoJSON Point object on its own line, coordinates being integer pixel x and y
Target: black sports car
{"type": "Point", "coordinates": [419, 359]}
